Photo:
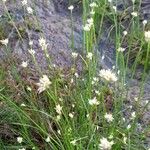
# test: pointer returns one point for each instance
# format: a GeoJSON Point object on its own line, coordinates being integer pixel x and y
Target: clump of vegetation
{"type": "Point", "coordinates": [67, 109]}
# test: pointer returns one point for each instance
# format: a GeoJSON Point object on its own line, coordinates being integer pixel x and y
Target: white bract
{"type": "Point", "coordinates": [43, 84]}
{"type": "Point", "coordinates": [105, 144]}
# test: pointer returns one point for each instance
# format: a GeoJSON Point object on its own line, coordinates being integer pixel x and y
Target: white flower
{"type": "Point", "coordinates": [121, 49]}
{"type": "Point", "coordinates": [97, 92]}
{"type": "Point", "coordinates": [23, 105]}
{"type": "Point", "coordinates": [43, 84]}
{"type": "Point", "coordinates": [24, 64]}
{"type": "Point", "coordinates": [21, 149]}
{"type": "Point", "coordinates": [92, 12]}
{"type": "Point", "coordinates": [109, 117]}
{"type": "Point", "coordinates": [87, 27]}
{"type": "Point", "coordinates": [4, 42]}
{"type": "Point", "coordinates": [89, 55]}
{"type": "Point", "coordinates": [58, 117]}
{"type": "Point", "coordinates": [109, 1]}
{"type": "Point", "coordinates": [103, 57]}
{"type": "Point", "coordinates": [125, 33]}
{"type": "Point", "coordinates": [108, 75]}
{"type": "Point", "coordinates": [30, 43]}
{"type": "Point", "coordinates": [92, 5]}
{"type": "Point", "coordinates": [42, 43]}
{"type": "Point", "coordinates": [134, 14]}
{"type": "Point", "coordinates": [19, 139]}
{"type": "Point", "coordinates": [90, 21]}
{"type": "Point", "coordinates": [125, 140]}
{"type": "Point", "coordinates": [129, 126]}
{"type": "Point", "coordinates": [93, 101]}
{"type": "Point", "coordinates": [105, 144]}
{"type": "Point", "coordinates": [4, 1]}
{"type": "Point", "coordinates": [114, 8]}
{"type": "Point", "coordinates": [71, 80]}
{"type": "Point", "coordinates": [58, 109]}
{"type": "Point", "coordinates": [73, 142]}
{"type": "Point", "coordinates": [76, 75]}
{"type": "Point", "coordinates": [144, 22]}
{"type": "Point", "coordinates": [58, 131]}
{"type": "Point", "coordinates": [74, 54]}
{"type": "Point", "coordinates": [71, 115]}
{"type": "Point", "coordinates": [24, 2]}
{"type": "Point", "coordinates": [47, 139]}
{"type": "Point", "coordinates": [133, 115]}
{"type": "Point", "coordinates": [29, 88]}
{"type": "Point", "coordinates": [29, 10]}
{"type": "Point", "coordinates": [136, 99]}
{"type": "Point", "coordinates": [31, 51]}
{"type": "Point", "coordinates": [71, 7]}
{"type": "Point", "coordinates": [147, 36]}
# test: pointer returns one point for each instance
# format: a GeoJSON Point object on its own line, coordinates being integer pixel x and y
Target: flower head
{"type": "Point", "coordinates": [93, 4]}
{"type": "Point", "coordinates": [43, 84]}
{"type": "Point", "coordinates": [147, 36]}
{"type": "Point", "coordinates": [108, 75]}
{"type": "Point", "coordinates": [29, 10]}
{"type": "Point", "coordinates": [4, 42]}
{"type": "Point", "coordinates": [74, 54]}
{"type": "Point", "coordinates": [93, 101]}
{"type": "Point", "coordinates": [105, 144]}
{"type": "Point", "coordinates": [47, 139]}
{"type": "Point", "coordinates": [73, 142]}
{"type": "Point", "coordinates": [109, 117]}
{"type": "Point", "coordinates": [24, 64]}
{"type": "Point", "coordinates": [121, 49]}
{"type": "Point", "coordinates": [58, 109]}
{"type": "Point", "coordinates": [31, 51]}
{"type": "Point", "coordinates": [42, 43]}
{"type": "Point", "coordinates": [134, 14]}
{"type": "Point", "coordinates": [89, 55]}
{"type": "Point", "coordinates": [19, 139]}
{"type": "Point", "coordinates": [144, 22]}
{"type": "Point", "coordinates": [24, 2]}
{"type": "Point", "coordinates": [71, 7]}
{"type": "Point", "coordinates": [125, 33]}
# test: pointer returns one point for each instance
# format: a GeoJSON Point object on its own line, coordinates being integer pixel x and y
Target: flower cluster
{"type": "Point", "coordinates": [43, 84]}
{"type": "Point", "coordinates": [147, 36]}
{"type": "Point", "coordinates": [108, 75]}
{"type": "Point", "coordinates": [105, 144]}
